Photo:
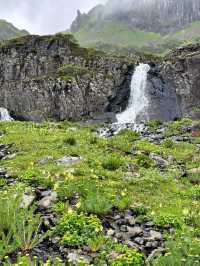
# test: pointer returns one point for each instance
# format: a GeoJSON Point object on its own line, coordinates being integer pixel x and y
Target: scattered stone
{"type": "Point", "coordinates": [47, 201]}
{"type": "Point", "coordinates": [160, 162]}
{"type": "Point", "coordinates": [142, 235]}
{"type": "Point", "coordinates": [27, 200]}
{"type": "Point", "coordinates": [130, 220]}
{"type": "Point", "coordinates": [155, 235]}
{"type": "Point", "coordinates": [110, 232]}
{"type": "Point", "coordinates": [135, 231]}
{"type": "Point", "coordinates": [139, 240]}
{"type": "Point", "coordinates": [46, 160]}
{"type": "Point", "coordinates": [131, 244]}
{"type": "Point", "coordinates": [152, 245]}
{"type": "Point", "coordinates": [74, 258]}
{"type": "Point", "coordinates": [194, 171]}
{"type": "Point", "coordinates": [9, 156]}
{"type": "Point", "coordinates": [5, 150]}
{"type": "Point", "coordinates": [69, 160]}
{"type": "Point", "coordinates": [3, 172]}
{"type": "Point", "coordinates": [124, 228]}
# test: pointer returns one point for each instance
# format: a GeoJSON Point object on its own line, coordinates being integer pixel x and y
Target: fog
{"type": "Point", "coordinates": [43, 16]}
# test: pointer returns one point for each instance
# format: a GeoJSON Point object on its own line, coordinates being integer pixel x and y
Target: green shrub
{"type": "Point", "coordinates": [169, 144]}
{"type": "Point", "coordinates": [154, 124]}
{"type": "Point", "coordinates": [77, 229]}
{"type": "Point", "coordinates": [128, 258]}
{"type": "Point", "coordinates": [183, 250]}
{"type": "Point", "coordinates": [168, 221]}
{"type": "Point", "coordinates": [32, 261]}
{"type": "Point", "coordinates": [113, 162]}
{"type": "Point", "coordinates": [70, 141]}
{"type": "Point", "coordinates": [72, 71]}
{"type": "Point", "coordinates": [144, 161]}
{"type": "Point", "coordinates": [140, 210]}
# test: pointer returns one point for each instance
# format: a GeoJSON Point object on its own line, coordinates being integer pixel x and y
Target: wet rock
{"type": "Point", "coordinates": [69, 160]}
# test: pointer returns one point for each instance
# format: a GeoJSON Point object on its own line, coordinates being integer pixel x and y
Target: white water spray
{"type": "Point", "coordinates": [4, 115]}
{"type": "Point", "coordinates": [138, 100]}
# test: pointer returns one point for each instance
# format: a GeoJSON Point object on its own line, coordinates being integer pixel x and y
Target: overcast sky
{"type": "Point", "coordinates": [43, 16]}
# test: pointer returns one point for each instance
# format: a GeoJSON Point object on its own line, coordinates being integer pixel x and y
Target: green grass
{"type": "Point", "coordinates": [115, 36]}
{"type": "Point", "coordinates": [8, 31]}
{"type": "Point", "coordinates": [100, 179]}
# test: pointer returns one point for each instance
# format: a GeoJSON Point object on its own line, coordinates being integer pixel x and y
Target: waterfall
{"type": "Point", "coordinates": [138, 100]}
{"type": "Point", "coordinates": [4, 115]}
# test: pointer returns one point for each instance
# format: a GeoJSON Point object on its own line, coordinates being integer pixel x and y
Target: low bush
{"type": "Point", "coordinates": [144, 161]}
{"type": "Point", "coordinates": [165, 221]}
{"type": "Point", "coordinates": [70, 141]}
{"type": "Point", "coordinates": [77, 229]}
{"type": "Point", "coordinates": [113, 162]}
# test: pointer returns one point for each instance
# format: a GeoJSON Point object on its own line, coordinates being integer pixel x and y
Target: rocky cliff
{"type": "Point", "coordinates": [51, 77]}
{"type": "Point", "coordinates": [174, 84]}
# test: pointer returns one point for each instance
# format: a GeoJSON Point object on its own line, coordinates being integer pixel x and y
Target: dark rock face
{"type": "Point", "coordinates": [164, 103]}
{"type": "Point", "coordinates": [181, 71]}
{"type": "Point", "coordinates": [31, 88]}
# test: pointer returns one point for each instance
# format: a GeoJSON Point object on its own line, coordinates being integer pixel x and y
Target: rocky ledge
{"type": "Point", "coordinates": [51, 77]}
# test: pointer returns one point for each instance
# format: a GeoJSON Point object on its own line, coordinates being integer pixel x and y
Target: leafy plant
{"type": "Point", "coordinates": [168, 221]}
{"type": "Point", "coordinates": [126, 257]}
{"type": "Point", "coordinates": [77, 229]}
{"type": "Point", "coordinates": [19, 227]}
{"type": "Point", "coordinates": [144, 161]}
{"type": "Point", "coordinates": [169, 144]}
{"type": "Point", "coordinates": [113, 162]}
{"type": "Point", "coordinates": [183, 250]}
{"type": "Point", "coordinates": [70, 141]}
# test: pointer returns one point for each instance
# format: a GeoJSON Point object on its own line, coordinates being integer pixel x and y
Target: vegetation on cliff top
{"type": "Point", "coordinates": [8, 31]}
{"type": "Point", "coordinates": [118, 173]}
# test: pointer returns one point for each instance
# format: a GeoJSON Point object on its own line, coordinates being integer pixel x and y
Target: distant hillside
{"type": "Point", "coordinates": [145, 25]}
{"type": "Point", "coordinates": [8, 31]}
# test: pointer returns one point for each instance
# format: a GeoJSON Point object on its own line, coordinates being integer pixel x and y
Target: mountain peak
{"type": "Point", "coordinates": [125, 22]}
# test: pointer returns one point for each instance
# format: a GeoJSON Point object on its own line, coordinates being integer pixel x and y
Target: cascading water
{"type": "Point", "coordinates": [138, 100]}
{"type": "Point", "coordinates": [4, 115]}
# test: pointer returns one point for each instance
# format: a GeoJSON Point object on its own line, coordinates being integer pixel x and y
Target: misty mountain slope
{"type": "Point", "coordinates": [148, 25]}
{"type": "Point", "coordinates": [8, 31]}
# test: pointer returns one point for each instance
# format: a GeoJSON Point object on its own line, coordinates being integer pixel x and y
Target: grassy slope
{"type": "Point", "coordinates": [101, 182]}
{"type": "Point", "coordinates": [117, 34]}
{"type": "Point", "coordinates": [8, 31]}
